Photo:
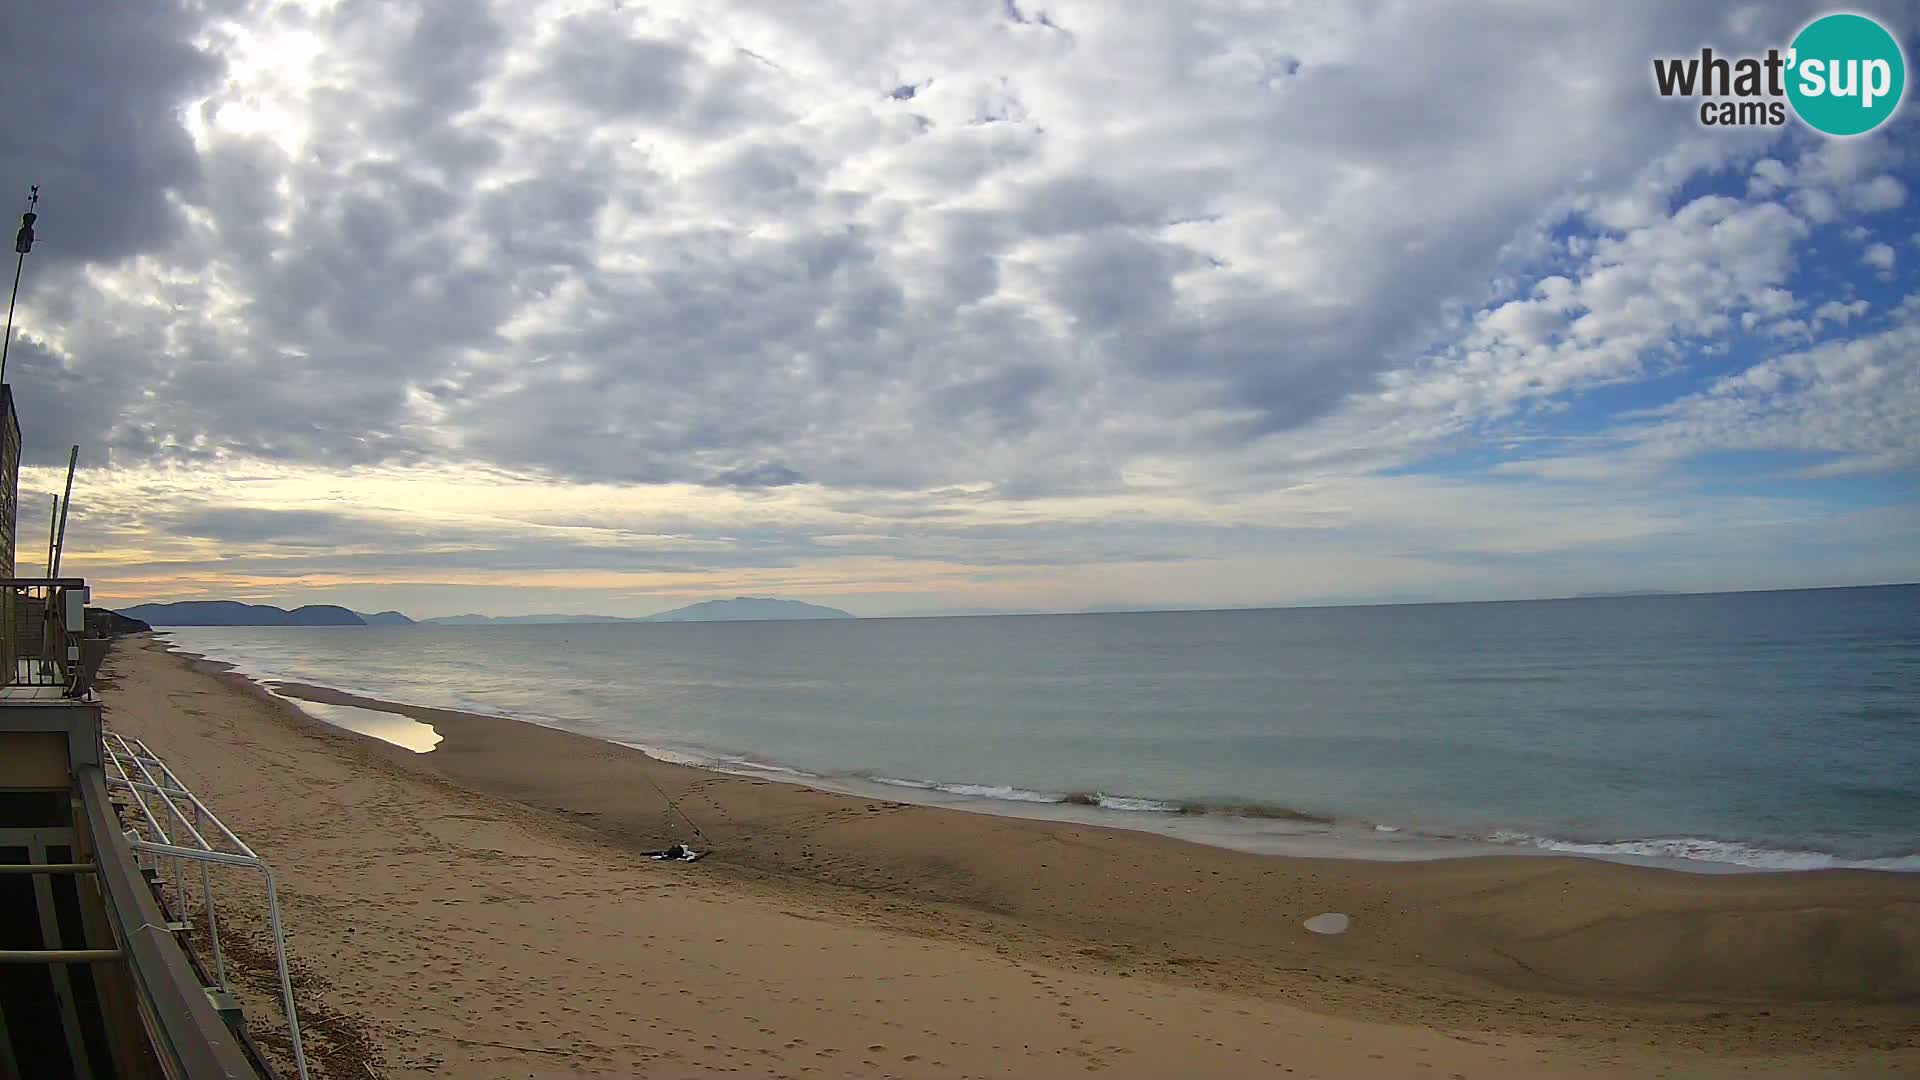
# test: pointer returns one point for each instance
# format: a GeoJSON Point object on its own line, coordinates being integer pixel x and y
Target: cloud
{"type": "Point", "coordinates": [610, 549]}
{"type": "Point", "coordinates": [721, 260]}
{"type": "Point", "coordinates": [1692, 275]}
{"type": "Point", "coordinates": [1834, 311]}
{"type": "Point", "coordinates": [93, 90]}
{"type": "Point", "coordinates": [759, 476]}
{"type": "Point", "coordinates": [1857, 399]}
{"type": "Point", "coordinates": [1880, 257]}
{"type": "Point", "coordinates": [1846, 406]}
{"type": "Point", "coordinates": [1879, 194]}
{"type": "Point", "coordinates": [607, 245]}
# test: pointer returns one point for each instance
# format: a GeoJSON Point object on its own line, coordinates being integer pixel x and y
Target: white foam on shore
{"type": "Point", "coordinates": [671, 757]}
{"type": "Point", "coordinates": [1698, 849]}
{"type": "Point", "coordinates": [998, 791]}
{"type": "Point", "coordinates": [732, 764]}
{"type": "Point", "coordinates": [1008, 793]}
{"type": "Point", "coordinates": [1137, 806]}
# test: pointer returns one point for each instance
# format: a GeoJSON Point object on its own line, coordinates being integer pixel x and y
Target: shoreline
{"type": "Point", "coordinates": [503, 868]}
{"type": "Point", "coordinates": [1274, 830]}
{"type": "Point", "coordinates": [1299, 836]}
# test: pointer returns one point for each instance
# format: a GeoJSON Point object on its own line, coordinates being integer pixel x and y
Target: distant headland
{"type": "Point", "coordinates": [234, 613]}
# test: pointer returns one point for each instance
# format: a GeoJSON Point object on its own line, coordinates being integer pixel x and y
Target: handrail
{"type": "Point", "coordinates": [188, 1035]}
{"type": "Point", "coordinates": [118, 752]}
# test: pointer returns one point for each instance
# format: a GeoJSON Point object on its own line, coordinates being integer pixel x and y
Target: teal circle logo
{"type": "Point", "coordinates": [1846, 74]}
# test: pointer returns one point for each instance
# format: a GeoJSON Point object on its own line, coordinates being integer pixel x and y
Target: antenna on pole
{"type": "Point", "coordinates": [60, 542]}
{"type": "Point", "coordinates": [22, 243]}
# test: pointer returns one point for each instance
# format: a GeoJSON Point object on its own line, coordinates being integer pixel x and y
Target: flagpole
{"type": "Point", "coordinates": [66, 504]}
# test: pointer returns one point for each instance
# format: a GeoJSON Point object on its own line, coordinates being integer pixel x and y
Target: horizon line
{"type": "Point", "coordinates": [1649, 594]}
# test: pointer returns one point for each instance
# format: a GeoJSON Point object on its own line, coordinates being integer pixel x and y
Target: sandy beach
{"type": "Point", "coordinates": [482, 911]}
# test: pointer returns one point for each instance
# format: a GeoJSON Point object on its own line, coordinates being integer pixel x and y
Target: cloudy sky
{"type": "Point", "coordinates": [916, 306]}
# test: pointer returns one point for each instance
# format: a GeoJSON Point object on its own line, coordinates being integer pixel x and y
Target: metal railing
{"type": "Point", "coordinates": [184, 1033]}
{"type": "Point", "coordinates": [158, 788]}
{"type": "Point", "coordinates": [42, 627]}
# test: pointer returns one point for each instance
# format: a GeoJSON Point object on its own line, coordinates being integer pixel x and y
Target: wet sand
{"type": "Point", "coordinates": [481, 910]}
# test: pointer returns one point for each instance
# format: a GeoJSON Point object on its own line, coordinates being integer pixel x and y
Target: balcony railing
{"type": "Point", "coordinates": [43, 636]}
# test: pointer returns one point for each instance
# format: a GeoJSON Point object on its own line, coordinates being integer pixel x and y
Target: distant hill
{"type": "Point", "coordinates": [749, 609]}
{"type": "Point", "coordinates": [233, 613]}
{"type": "Point", "coordinates": [323, 615]}
{"type": "Point", "coordinates": [738, 609]}
{"type": "Point", "coordinates": [104, 623]}
{"type": "Point", "coordinates": [520, 620]}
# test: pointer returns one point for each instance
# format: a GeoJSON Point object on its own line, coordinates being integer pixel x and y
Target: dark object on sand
{"type": "Point", "coordinates": [676, 853]}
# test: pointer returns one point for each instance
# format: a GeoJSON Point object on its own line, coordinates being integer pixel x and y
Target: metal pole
{"type": "Point", "coordinates": [18, 265]}
{"type": "Point", "coordinates": [66, 504]}
{"type": "Point", "coordinates": [46, 607]}
{"type": "Point", "coordinates": [23, 242]}
{"type": "Point", "coordinates": [60, 540]}
{"type": "Point", "coordinates": [115, 781]}
{"type": "Point", "coordinates": [206, 895]}
{"type": "Point", "coordinates": [213, 929]}
{"type": "Point", "coordinates": [286, 980]}
{"type": "Point", "coordinates": [57, 956]}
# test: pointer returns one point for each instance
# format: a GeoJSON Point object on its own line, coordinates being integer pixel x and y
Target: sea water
{"type": "Point", "coordinates": [1768, 730]}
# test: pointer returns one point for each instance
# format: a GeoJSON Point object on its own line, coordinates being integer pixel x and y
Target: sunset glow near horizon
{"type": "Point", "coordinates": [993, 306]}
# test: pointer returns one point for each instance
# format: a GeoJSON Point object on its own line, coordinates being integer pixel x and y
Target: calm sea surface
{"type": "Point", "coordinates": [1759, 729]}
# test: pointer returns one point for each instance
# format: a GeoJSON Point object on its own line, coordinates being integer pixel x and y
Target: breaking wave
{"type": "Point", "coordinates": [1699, 849]}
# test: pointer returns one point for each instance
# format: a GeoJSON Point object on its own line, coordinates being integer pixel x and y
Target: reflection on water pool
{"type": "Point", "coordinates": [399, 730]}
